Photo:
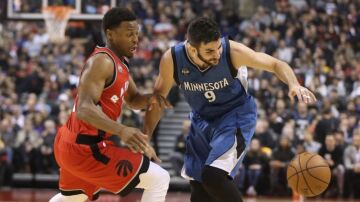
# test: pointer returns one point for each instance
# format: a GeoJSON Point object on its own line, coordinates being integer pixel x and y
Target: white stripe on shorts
{"type": "Point", "coordinates": [228, 160]}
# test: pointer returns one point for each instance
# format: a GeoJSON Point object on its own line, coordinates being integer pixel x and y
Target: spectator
{"type": "Point", "coordinates": [334, 157]}
{"type": "Point", "coordinates": [340, 140]}
{"type": "Point", "coordinates": [280, 157]}
{"type": "Point", "coordinates": [264, 134]}
{"type": "Point", "coordinates": [326, 125]}
{"type": "Point", "coordinates": [5, 167]}
{"type": "Point", "coordinates": [310, 144]}
{"type": "Point", "coordinates": [254, 166]}
{"type": "Point", "coordinates": [7, 136]}
{"type": "Point", "coordinates": [302, 120]}
{"type": "Point", "coordinates": [26, 149]}
{"type": "Point", "coordinates": [285, 53]}
{"type": "Point", "coordinates": [279, 117]}
{"type": "Point", "coordinates": [46, 148]}
{"type": "Point", "coordinates": [352, 166]}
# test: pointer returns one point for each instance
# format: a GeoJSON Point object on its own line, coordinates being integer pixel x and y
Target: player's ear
{"type": "Point", "coordinates": [109, 34]}
{"type": "Point", "coordinates": [192, 48]}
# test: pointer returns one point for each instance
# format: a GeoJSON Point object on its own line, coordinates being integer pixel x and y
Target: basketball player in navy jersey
{"type": "Point", "coordinates": [210, 71]}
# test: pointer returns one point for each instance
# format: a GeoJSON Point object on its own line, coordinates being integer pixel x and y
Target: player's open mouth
{"type": "Point", "coordinates": [133, 49]}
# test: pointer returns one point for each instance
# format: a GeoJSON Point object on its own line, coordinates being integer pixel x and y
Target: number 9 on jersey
{"type": "Point", "coordinates": [210, 96]}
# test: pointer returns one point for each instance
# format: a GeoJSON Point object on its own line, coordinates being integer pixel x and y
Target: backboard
{"type": "Point", "coordinates": [83, 9]}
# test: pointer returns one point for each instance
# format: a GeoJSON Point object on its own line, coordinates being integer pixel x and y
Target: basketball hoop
{"type": "Point", "coordinates": [56, 18]}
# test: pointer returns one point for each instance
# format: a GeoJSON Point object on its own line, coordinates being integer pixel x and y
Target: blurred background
{"type": "Point", "coordinates": [319, 39]}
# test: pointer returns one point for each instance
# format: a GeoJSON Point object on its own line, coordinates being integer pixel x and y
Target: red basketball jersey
{"type": "Point", "coordinates": [111, 99]}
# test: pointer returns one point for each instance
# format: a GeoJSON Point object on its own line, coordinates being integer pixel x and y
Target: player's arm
{"type": "Point", "coordinates": [135, 100]}
{"type": "Point", "coordinates": [242, 55]}
{"type": "Point", "coordinates": [97, 73]}
{"type": "Point", "coordinates": [163, 84]}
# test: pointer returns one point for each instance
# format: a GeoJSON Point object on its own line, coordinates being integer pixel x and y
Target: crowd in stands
{"type": "Point", "coordinates": [319, 39]}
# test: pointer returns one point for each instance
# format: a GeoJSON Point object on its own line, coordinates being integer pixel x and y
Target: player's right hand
{"type": "Point", "coordinates": [134, 139]}
{"type": "Point", "coordinates": [303, 94]}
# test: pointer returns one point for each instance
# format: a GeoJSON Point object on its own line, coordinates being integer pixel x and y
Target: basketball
{"type": "Point", "coordinates": [308, 174]}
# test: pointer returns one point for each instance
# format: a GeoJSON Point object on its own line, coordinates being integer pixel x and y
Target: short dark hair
{"type": "Point", "coordinates": [202, 29]}
{"type": "Point", "coordinates": [115, 16]}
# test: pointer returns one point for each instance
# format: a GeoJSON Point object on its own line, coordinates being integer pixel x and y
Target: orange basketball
{"type": "Point", "coordinates": [308, 174]}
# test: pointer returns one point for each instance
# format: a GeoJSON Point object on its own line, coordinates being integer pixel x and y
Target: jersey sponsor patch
{"type": "Point", "coordinates": [185, 71]}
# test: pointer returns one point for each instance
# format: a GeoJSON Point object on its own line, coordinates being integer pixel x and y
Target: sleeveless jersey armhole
{"type": "Point", "coordinates": [233, 70]}
{"type": "Point", "coordinates": [114, 72]}
{"type": "Point", "coordinates": [175, 75]}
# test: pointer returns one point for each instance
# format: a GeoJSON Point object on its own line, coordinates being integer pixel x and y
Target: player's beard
{"type": "Point", "coordinates": [204, 60]}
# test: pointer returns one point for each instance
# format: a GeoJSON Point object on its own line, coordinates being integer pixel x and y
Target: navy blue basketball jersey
{"type": "Point", "coordinates": [212, 92]}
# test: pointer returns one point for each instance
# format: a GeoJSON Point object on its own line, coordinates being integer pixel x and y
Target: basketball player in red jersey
{"type": "Point", "coordinates": [88, 161]}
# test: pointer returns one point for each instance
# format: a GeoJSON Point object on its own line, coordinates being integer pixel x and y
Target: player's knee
{"type": "Point", "coordinates": [155, 177]}
{"type": "Point", "coordinates": [211, 176]}
{"type": "Point", "coordinates": [163, 177]}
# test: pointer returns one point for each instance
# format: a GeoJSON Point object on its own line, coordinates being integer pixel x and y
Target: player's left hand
{"type": "Point", "coordinates": [303, 94]}
{"type": "Point", "coordinates": [156, 100]}
{"type": "Point", "coordinates": [151, 154]}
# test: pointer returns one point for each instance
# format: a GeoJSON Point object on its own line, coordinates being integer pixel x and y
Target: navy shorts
{"type": "Point", "coordinates": [221, 143]}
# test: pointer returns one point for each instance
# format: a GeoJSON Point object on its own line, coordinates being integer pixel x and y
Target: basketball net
{"type": "Point", "coordinates": [56, 18]}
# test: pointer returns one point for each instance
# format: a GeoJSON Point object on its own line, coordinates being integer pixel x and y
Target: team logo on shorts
{"type": "Point", "coordinates": [124, 168]}
{"type": "Point", "coordinates": [185, 71]}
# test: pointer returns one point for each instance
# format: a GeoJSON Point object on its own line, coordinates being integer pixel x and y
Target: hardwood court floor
{"type": "Point", "coordinates": [43, 195]}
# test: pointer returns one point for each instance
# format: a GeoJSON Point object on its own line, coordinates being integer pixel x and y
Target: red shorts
{"type": "Point", "coordinates": [88, 168]}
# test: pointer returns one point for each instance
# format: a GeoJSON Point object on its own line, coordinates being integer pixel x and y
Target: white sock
{"type": "Point", "coordinates": [155, 183]}
{"type": "Point", "coordinates": [74, 198]}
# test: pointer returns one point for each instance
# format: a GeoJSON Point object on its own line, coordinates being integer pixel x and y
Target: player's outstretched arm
{"type": "Point", "coordinates": [163, 84]}
{"type": "Point", "coordinates": [97, 73]}
{"type": "Point", "coordinates": [242, 55]}
{"type": "Point", "coordinates": [135, 100]}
